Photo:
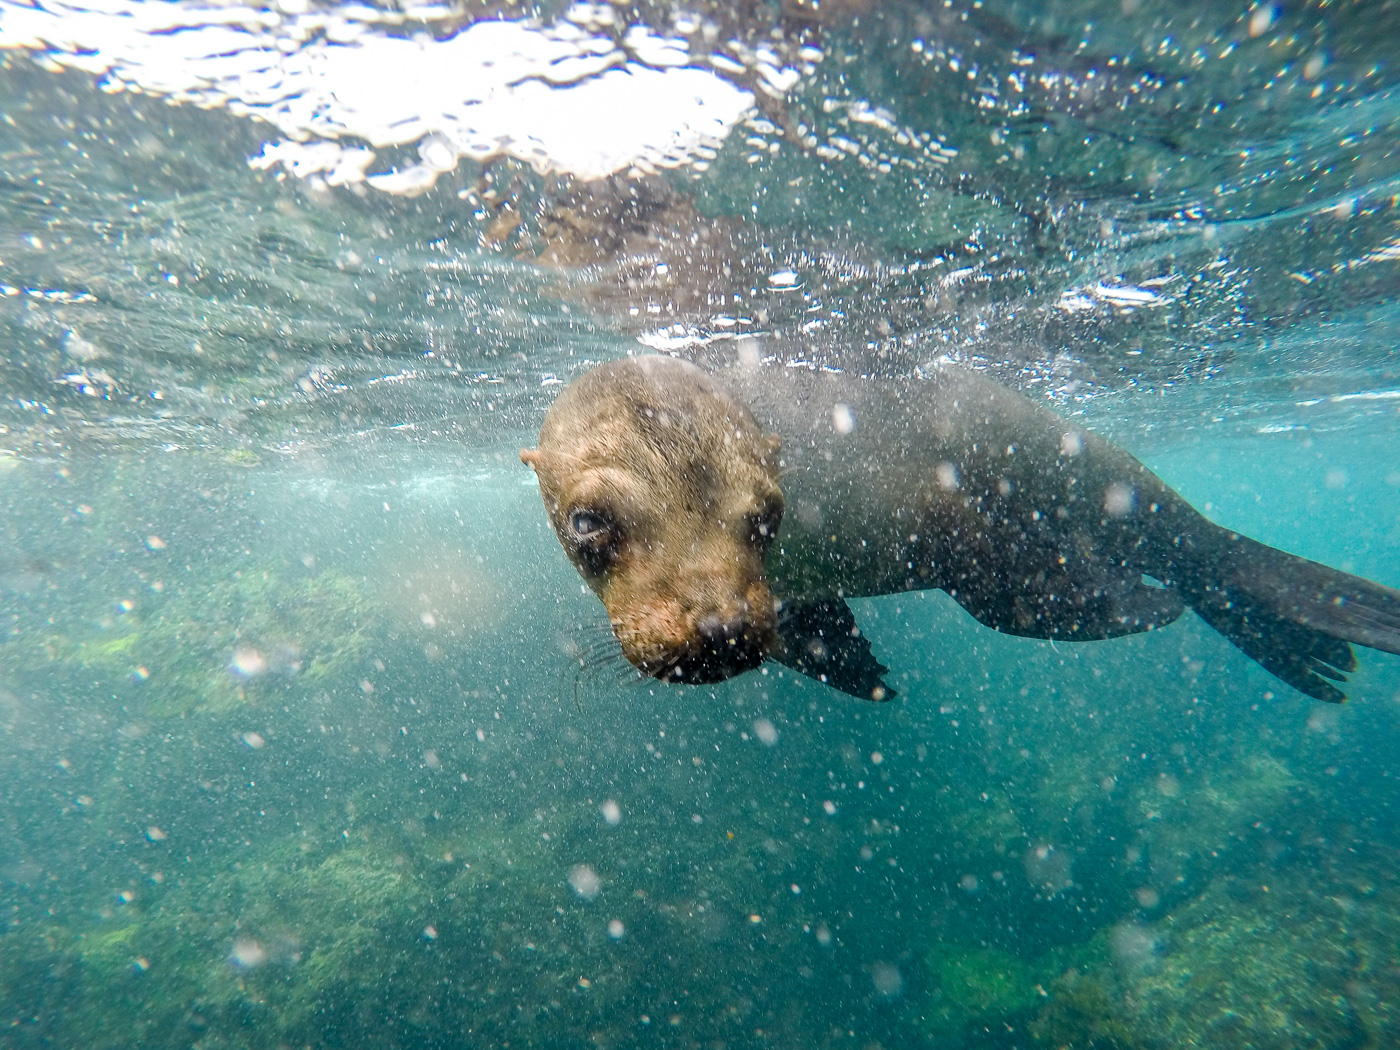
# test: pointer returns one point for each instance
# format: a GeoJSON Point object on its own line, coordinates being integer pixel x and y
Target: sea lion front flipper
{"type": "Point", "coordinates": [821, 640]}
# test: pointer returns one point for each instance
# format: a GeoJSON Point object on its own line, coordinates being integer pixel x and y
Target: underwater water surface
{"type": "Point", "coordinates": [311, 736]}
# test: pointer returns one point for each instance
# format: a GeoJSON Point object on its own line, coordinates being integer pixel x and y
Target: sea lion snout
{"type": "Point", "coordinates": [698, 614]}
{"type": "Point", "coordinates": [723, 649]}
{"type": "Point", "coordinates": [720, 645]}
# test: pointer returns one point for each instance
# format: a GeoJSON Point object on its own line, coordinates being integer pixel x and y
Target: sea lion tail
{"type": "Point", "coordinates": [1295, 617]}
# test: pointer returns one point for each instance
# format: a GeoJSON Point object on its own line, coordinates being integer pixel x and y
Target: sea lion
{"type": "Point", "coordinates": [667, 486]}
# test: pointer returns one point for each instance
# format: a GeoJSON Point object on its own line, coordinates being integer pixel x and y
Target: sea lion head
{"type": "Point", "coordinates": [663, 490]}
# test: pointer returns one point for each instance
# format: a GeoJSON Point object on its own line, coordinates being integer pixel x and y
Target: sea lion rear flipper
{"type": "Point", "coordinates": [821, 640]}
{"type": "Point", "coordinates": [1296, 617]}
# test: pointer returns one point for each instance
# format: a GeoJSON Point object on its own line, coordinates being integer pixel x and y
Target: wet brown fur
{"type": "Point", "coordinates": [681, 467]}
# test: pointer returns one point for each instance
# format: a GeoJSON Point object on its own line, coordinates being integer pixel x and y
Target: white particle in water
{"type": "Point", "coordinates": [616, 929]}
{"type": "Point", "coordinates": [612, 812]}
{"type": "Point", "coordinates": [247, 953]}
{"type": "Point", "coordinates": [887, 979]}
{"type": "Point", "coordinates": [1119, 500]}
{"type": "Point", "coordinates": [765, 731]}
{"type": "Point", "coordinates": [585, 881]}
{"type": "Point", "coordinates": [254, 740]}
{"type": "Point", "coordinates": [75, 346]}
{"type": "Point", "coordinates": [843, 420]}
{"type": "Point", "coordinates": [1135, 947]}
{"type": "Point", "coordinates": [438, 153]}
{"type": "Point", "coordinates": [1049, 869]}
{"type": "Point", "coordinates": [247, 662]}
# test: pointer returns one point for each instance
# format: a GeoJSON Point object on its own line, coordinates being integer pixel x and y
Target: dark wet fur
{"type": "Point", "coordinates": [1297, 618]}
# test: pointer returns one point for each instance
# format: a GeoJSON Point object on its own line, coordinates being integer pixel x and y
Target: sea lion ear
{"type": "Point", "coordinates": [772, 444]}
{"type": "Point", "coordinates": [530, 457]}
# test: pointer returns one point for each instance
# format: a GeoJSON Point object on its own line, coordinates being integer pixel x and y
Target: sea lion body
{"type": "Point", "coordinates": [1034, 525]}
{"type": "Point", "coordinates": [939, 481]}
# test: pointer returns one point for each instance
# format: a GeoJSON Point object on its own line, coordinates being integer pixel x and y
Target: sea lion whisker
{"type": "Point", "coordinates": [601, 658]}
{"type": "Point", "coordinates": [593, 658]}
{"type": "Point", "coordinates": [629, 675]}
{"type": "Point", "coordinates": [578, 704]}
{"type": "Point", "coordinates": [602, 670]}
{"type": "Point", "coordinates": [606, 667]}
{"type": "Point", "coordinates": [594, 627]}
{"type": "Point", "coordinates": [597, 637]}
{"type": "Point", "coordinates": [597, 647]}
{"type": "Point", "coordinates": [589, 670]}
{"type": "Point", "coordinates": [592, 641]}
{"type": "Point", "coordinates": [592, 630]}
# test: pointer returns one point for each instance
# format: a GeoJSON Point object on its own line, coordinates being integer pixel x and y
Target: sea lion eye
{"type": "Point", "coordinates": [594, 540]}
{"type": "Point", "coordinates": [587, 525]}
{"type": "Point", "coordinates": [763, 526]}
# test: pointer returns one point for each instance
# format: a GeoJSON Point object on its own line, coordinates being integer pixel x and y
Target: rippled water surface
{"type": "Point", "coordinates": [304, 737]}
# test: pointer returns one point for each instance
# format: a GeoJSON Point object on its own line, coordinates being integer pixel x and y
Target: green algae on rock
{"type": "Point", "coordinates": [207, 646]}
{"type": "Point", "coordinates": [1275, 965]}
{"type": "Point", "coordinates": [1082, 1014]}
{"type": "Point", "coordinates": [971, 986]}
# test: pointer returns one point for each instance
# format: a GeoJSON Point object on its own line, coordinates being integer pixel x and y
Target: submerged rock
{"type": "Point", "coordinates": [973, 988]}
{"type": "Point", "coordinates": [1281, 965]}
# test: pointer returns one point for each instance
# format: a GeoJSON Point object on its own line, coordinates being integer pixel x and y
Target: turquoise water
{"type": "Point", "coordinates": [295, 744]}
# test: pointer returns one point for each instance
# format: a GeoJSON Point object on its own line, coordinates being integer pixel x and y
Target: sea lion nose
{"type": "Point", "coordinates": [718, 632]}
{"type": "Point", "coordinates": [724, 646]}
